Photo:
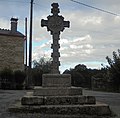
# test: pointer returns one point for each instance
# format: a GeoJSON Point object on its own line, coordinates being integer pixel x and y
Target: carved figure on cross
{"type": "Point", "coordinates": [55, 24]}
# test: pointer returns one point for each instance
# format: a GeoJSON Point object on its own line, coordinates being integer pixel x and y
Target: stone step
{"type": "Point", "coordinates": [57, 91]}
{"type": "Point", "coordinates": [38, 115]}
{"type": "Point", "coordinates": [57, 100]}
{"type": "Point", "coordinates": [94, 109]}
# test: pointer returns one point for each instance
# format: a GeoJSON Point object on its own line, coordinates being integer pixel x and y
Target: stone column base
{"type": "Point", "coordinates": [56, 98]}
{"type": "Point", "coordinates": [57, 91]}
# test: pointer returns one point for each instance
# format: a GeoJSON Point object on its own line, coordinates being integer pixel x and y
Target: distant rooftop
{"type": "Point", "coordinates": [10, 33]}
{"type": "Point", "coordinates": [13, 31]}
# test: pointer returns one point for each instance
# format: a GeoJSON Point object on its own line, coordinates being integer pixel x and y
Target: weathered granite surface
{"type": "Point", "coordinates": [58, 100]}
{"type": "Point", "coordinates": [55, 24]}
{"type": "Point", "coordinates": [56, 85]}
{"type": "Point", "coordinates": [93, 109]}
{"type": "Point", "coordinates": [57, 91]}
{"type": "Point", "coordinates": [56, 80]}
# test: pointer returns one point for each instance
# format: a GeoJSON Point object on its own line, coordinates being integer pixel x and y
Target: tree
{"type": "Point", "coordinates": [43, 64]}
{"type": "Point", "coordinates": [40, 67]}
{"type": "Point", "coordinates": [80, 75]}
{"type": "Point", "coordinates": [77, 78]}
{"type": "Point", "coordinates": [80, 67]}
{"type": "Point", "coordinates": [66, 71]}
{"type": "Point", "coordinates": [37, 76]}
{"type": "Point", "coordinates": [114, 69]}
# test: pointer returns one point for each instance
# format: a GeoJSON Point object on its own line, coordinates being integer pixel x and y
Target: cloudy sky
{"type": "Point", "coordinates": [92, 35]}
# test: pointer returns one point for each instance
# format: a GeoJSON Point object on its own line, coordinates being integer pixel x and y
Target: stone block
{"type": "Point", "coordinates": [90, 110]}
{"type": "Point", "coordinates": [56, 80]}
{"type": "Point", "coordinates": [90, 99]}
{"type": "Point", "coordinates": [61, 100]}
{"type": "Point", "coordinates": [57, 91]}
{"type": "Point", "coordinates": [57, 100]}
{"type": "Point", "coordinates": [68, 100]}
{"type": "Point", "coordinates": [32, 100]}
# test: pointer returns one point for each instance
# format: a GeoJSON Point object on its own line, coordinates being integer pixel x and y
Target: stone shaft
{"type": "Point", "coordinates": [55, 55]}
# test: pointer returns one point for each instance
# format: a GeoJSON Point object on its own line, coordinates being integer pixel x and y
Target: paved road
{"type": "Point", "coordinates": [8, 97]}
{"type": "Point", "coordinates": [112, 99]}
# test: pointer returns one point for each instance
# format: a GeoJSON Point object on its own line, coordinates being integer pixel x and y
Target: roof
{"type": "Point", "coordinates": [10, 33]}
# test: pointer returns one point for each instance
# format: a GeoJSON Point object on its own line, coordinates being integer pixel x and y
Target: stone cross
{"type": "Point", "coordinates": [55, 24]}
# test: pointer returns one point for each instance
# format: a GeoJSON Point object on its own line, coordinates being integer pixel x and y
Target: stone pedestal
{"type": "Point", "coordinates": [57, 98]}
{"type": "Point", "coordinates": [57, 85]}
{"type": "Point", "coordinates": [56, 80]}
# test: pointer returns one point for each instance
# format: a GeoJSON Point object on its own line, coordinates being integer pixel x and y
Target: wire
{"type": "Point", "coordinates": [99, 9]}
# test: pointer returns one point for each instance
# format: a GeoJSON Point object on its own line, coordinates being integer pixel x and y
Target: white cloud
{"type": "Point", "coordinates": [117, 19]}
{"type": "Point", "coordinates": [4, 24]}
{"type": "Point", "coordinates": [91, 20]}
{"type": "Point", "coordinates": [82, 38]}
{"type": "Point", "coordinates": [64, 41]}
{"type": "Point", "coordinates": [73, 47]}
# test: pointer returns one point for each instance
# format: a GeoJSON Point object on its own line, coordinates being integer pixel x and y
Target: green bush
{"type": "Point", "coordinates": [12, 80]}
{"type": "Point", "coordinates": [19, 78]}
{"type": "Point", "coordinates": [6, 73]}
{"type": "Point", "coordinates": [7, 78]}
{"type": "Point", "coordinates": [37, 76]}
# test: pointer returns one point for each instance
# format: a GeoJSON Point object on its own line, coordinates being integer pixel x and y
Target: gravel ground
{"type": "Point", "coordinates": [9, 97]}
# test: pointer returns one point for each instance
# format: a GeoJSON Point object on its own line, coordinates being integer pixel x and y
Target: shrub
{"type": "Point", "coordinates": [19, 78]}
{"type": "Point", "coordinates": [7, 78]}
{"type": "Point", "coordinates": [37, 76]}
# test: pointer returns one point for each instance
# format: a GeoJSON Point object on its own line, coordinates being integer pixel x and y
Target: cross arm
{"type": "Point", "coordinates": [44, 23]}
{"type": "Point", "coordinates": [66, 24]}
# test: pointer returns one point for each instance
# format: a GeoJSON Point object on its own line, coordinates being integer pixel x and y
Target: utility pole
{"type": "Point", "coordinates": [26, 42]}
{"type": "Point", "coordinates": [30, 40]}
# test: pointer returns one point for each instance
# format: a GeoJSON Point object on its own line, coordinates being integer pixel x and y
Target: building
{"type": "Point", "coordinates": [12, 47]}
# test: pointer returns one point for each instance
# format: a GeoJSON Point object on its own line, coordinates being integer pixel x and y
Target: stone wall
{"type": "Point", "coordinates": [11, 52]}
